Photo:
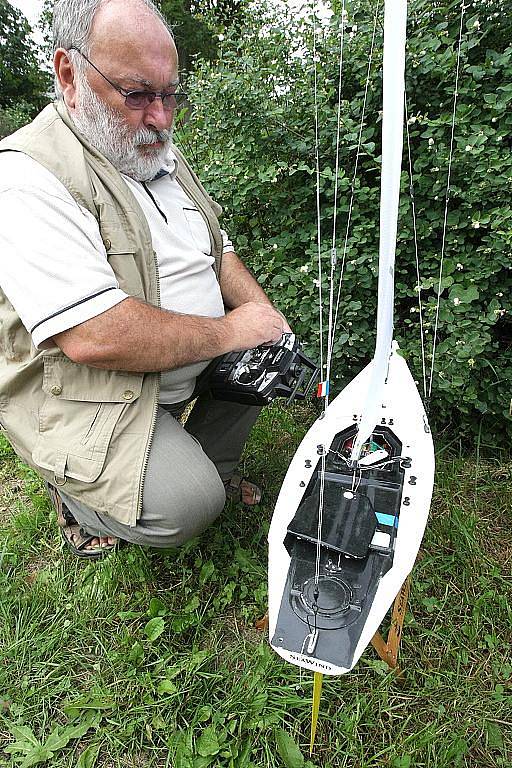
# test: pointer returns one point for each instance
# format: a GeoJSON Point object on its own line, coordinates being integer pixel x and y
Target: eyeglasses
{"type": "Point", "coordinates": [140, 99]}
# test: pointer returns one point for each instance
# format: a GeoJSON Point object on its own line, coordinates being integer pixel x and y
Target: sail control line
{"type": "Point", "coordinates": [351, 513]}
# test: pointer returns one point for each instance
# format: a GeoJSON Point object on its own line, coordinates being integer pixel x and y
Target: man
{"type": "Point", "coordinates": [117, 288]}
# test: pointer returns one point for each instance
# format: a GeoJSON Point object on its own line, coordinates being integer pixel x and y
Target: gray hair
{"type": "Point", "coordinates": [72, 25]}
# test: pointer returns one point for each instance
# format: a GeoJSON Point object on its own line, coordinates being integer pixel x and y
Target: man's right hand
{"type": "Point", "coordinates": [253, 324]}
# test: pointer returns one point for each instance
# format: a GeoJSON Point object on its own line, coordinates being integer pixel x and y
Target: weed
{"type": "Point", "coordinates": [151, 658]}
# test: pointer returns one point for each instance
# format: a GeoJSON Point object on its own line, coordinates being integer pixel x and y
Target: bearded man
{"type": "Point", "coordinates": [117, 287]}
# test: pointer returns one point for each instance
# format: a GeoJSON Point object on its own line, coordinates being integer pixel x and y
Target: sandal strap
{"type": "Point", "coordinates": [64, 515]}
{"type": "Point", "coordinates": [234, 489]}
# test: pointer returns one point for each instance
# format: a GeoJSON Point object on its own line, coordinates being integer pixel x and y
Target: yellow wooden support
{"type": "Point", "coordinates": [317, 692]}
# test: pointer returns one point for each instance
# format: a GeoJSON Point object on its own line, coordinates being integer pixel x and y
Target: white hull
{"type": "Point", "coordinates": [401, 408]}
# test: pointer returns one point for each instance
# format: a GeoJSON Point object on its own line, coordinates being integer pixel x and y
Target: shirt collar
{"type": "Point", "coordinates": [169, 168]}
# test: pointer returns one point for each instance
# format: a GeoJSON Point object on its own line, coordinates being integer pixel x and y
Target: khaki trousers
{"type": "Point", "coordinates": [183, 489]}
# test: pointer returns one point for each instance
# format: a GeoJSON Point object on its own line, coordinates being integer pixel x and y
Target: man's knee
{"type": "Point", "coordinates": [177, 512]}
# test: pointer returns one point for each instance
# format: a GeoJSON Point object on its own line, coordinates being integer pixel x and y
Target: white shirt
{"type": "Point", "coordinates": [54, 268]}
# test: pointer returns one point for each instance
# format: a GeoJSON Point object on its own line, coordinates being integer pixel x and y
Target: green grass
{"type": "Point", "coordinates": [151, 658]}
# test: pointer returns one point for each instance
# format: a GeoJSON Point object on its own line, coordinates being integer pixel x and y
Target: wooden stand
{"type": "Point", "coordinates": [387, 649]}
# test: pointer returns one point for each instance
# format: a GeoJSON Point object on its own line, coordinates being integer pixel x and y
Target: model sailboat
{"type": "Point", "coordinates": [353, 507]}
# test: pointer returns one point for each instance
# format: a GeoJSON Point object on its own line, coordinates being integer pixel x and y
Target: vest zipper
{"type": "Point", "coordinates": [155, 407]}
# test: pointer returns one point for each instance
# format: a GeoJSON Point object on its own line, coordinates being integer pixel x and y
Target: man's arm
{"type": "Point", "coordinates": [135, 336]}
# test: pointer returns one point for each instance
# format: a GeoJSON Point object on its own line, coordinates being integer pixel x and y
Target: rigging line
{"type": "Point", "coordinates": [320, 519]}
{"type": "Point", "coordinates": [447, 198]}
{"type": "Point", "coordinates": [317, 173]}
{"type": "Point", "coordinates": [356, 166]}
{"type": "Point", "coordinates": [330, 335]}
{"type": "Point", "coordinates": [415, 231]}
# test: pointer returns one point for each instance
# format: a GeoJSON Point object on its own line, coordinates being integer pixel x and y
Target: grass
{"type": "Point", "coordinates": [151, 658]}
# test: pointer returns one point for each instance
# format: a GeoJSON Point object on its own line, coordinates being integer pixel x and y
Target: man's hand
{"type": "Point", "coordinates": [255, 323]}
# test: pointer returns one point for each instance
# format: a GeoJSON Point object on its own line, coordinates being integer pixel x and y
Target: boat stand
{"type": "Point", "coordinates": [386, 649]}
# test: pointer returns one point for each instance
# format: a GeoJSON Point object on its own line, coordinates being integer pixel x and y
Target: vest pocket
{"type": "Point", "coordinates": [127, 273]}
{"type": "Point", "coordinates": [80, 411]}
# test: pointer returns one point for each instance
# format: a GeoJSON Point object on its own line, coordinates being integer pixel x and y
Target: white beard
{"type": "Point", "coordinates": [108, 132]}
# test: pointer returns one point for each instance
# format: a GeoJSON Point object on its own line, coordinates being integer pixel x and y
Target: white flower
{"type": "Point", "coordinates": [500, 294]}
{"type": "Point", "coordinates": [304, 268]}
{"type": "Point", "coordinates": [494, 120]}
{"type": "Point", "coordinates": [475, 224]}
{"type": "Point", "coordinates": [456, 301]}
{"type": "Point", "coordinates": [476, 24]}
{"type": "Point", "coordinates": [274, 246]}
{"type": "Point", "coordinates": [460, 266]}
{"type": "Point", "coordinates": [316, 283]}
{"type": "Point", "coordinates": [471, 362]}
{"type": "Point", "coordinates": [468, 147]}
{"type": "Point", "coordinates": [430, 141]}
{"type": "Point", "coordinates": [220, 37]}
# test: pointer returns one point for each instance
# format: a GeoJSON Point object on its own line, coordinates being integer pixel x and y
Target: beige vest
{"type": "Point", "coordinates": [85, 429]}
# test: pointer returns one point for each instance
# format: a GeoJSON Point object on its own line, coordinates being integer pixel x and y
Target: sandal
{"type": "Point", "coordinates": [240, 489]}
{"type": "Point", "coordinates": [73, 535]}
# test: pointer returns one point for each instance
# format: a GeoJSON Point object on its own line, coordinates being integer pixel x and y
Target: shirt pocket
{"type": "Point", "coordinates": [80, 411]}
{"type": "Point", "coordinates": [198, 229]}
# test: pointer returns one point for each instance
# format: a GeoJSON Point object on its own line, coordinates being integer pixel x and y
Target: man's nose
{"type": "Point", "coordinates": [155, 116]}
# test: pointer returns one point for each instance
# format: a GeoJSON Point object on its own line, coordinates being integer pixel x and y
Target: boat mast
{"type": "Point", "coordinates": [393, 76]}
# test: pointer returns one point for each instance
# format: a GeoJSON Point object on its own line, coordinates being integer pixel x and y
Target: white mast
{"type": "Point", "coordinates": [395, 21]}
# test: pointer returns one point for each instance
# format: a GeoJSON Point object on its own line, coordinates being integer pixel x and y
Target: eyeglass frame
{"type": "Point", "coordinates": [150, 95]}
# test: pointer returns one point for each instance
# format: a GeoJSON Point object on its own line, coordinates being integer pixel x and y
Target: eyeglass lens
{"type": "Point", "coordinates": [141, 99]}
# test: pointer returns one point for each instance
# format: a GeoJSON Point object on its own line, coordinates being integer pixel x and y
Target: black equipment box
{"type": "Point", "coordinates": [257, 376]}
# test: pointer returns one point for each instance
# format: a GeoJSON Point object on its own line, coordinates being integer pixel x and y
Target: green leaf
{"type": "Point", "coordinates": [494, 735]}
{"type": "Point", "coordinates": [402, 762]}
{"type": "Point", "coordinates": [463, 295]}
{"type": "Point", "coordinates": [207, 572]}
{"type": "Point", "coordinates": [289, 751]}
{"type": "Point", "coordinates": [25, 739]}
{"type": "Point", "coordinates": [37, 755]}
{"type": "Point", "coordinates": [166, 686]}
{"type": "Point", "coordinates": [73, 708]}
{"type": "Point", "coordinates": [89, 756]}
{"type": "Point", "coordinates": [192, 605]}
{"type": "Point", "coordinates": [60, 737]}
{"type": "Point", "coordinates": [154, 628]}
{"type": "Point", "coordinates": [203, 714]}
{"type": "Point", "coordinates": [157, 608]}
{"type": "Point", "coordinates": [208, 744]}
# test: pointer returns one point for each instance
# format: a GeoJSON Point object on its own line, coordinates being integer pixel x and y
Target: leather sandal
{"type": "Point", "coordinates": [73, 535]}
{"type": "Point", "coordinates": [240, 489]}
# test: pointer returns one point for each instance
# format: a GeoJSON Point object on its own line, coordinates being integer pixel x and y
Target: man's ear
{"type": "Point", "coordinates": [66, 76]}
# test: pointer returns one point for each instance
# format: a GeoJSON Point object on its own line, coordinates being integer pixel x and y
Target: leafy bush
{"type": "Point", "coordinates": [251, 136]}
{"type": "Point", "coordinates": [12, 118]}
